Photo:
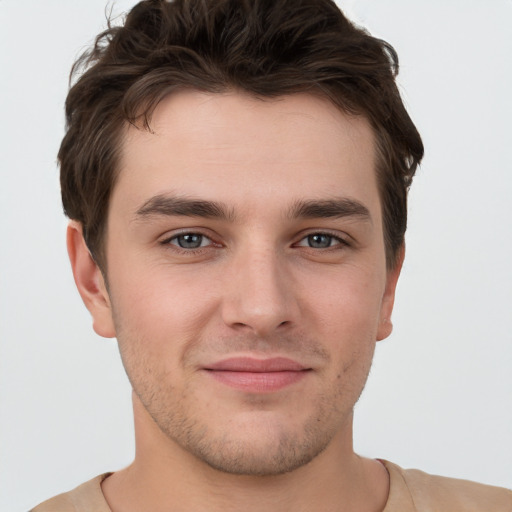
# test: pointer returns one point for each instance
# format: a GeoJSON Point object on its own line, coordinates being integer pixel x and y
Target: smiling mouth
{"type": "Point", "coordinates": [257, 375]}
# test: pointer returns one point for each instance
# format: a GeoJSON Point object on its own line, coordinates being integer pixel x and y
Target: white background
{"type": "Point", "coordinates": [439, 396]}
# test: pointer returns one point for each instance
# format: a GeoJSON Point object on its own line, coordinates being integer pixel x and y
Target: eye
{"type": "Point", "coordinates": [321, 241]}
{"type": "Point", "coordinates": [189, 240]}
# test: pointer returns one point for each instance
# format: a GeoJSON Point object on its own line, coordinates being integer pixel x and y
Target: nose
{"type": "Point", "coordinates": [259, 297]}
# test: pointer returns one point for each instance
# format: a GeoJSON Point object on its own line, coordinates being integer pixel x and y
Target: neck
{"type": "Point", "coordinates": [164, 476]}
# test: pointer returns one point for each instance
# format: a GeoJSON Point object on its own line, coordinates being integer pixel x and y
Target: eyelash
{"type": "Point", "coordinates": [340, 242]}
{"type": "Point", "coordinates": [192, 250]}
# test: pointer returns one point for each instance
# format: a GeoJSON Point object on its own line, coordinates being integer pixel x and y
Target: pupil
{"type": "Point", "coordinates": [319, 241]}
{"type": "Point", "coordinates": [190, 241]}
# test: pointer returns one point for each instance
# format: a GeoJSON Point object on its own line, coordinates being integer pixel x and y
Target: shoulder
{"type": "Point", "coordinates": [84, 498]}
{"type": "Point", "coordinates": [432, 493]}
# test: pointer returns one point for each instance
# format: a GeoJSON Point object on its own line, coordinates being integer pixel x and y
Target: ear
{"type": "Point", "coordinates": [89, 281]}
{"type": "Point", "coordinates": [388, 299]}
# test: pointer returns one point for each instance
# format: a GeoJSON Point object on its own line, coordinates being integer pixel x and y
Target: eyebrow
{"type": "Point", "coordinates": [330, 208]}
{"type": "Point", "coordinates": [171, 205]}
{"type": "Point", "coordinates": [165, 205]}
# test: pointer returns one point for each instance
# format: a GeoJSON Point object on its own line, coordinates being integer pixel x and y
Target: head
{"type": "Point", "coordinates": [264, 48]}
{"type": "Point", "coordinates": [239, 172]}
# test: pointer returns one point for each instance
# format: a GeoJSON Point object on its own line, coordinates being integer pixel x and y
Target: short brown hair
{"type": "Point", "coordinates": [267, 48]}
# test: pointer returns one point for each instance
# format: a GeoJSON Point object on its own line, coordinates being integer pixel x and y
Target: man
{"type": "Point", "coordinates": [236, 177]}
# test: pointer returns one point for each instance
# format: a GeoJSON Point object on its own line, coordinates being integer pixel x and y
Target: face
{"type": "Point", "coordinates": [247, 279]}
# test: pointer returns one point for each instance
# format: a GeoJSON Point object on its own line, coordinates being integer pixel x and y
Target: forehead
{"type": "Point", "coordinates": [234, 147]}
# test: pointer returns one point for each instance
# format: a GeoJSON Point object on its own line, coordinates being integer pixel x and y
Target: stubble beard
{"type": "Point", "coordinates": [236, 448]}
{"type": "Point", "coordinates": [269, 454]}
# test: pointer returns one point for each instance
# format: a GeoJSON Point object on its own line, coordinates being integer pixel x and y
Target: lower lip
{"type": "Point", "coordinates": [258, 382]}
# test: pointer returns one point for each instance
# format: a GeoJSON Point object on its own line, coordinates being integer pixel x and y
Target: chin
{"type": "Point", "coordinates": [256, 458]}
{"type": "Point", "coordinates": [255, 448]}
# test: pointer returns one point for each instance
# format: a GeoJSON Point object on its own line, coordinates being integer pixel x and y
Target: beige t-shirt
{"type": "Point", "coordinates": [410, 491]}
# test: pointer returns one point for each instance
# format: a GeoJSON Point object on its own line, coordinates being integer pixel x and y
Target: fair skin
{"type": "Point", "coordinates": [247, 286]}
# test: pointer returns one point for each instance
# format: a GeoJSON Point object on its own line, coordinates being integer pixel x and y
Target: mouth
{"type": "Point", "coordinates": [257, 375]}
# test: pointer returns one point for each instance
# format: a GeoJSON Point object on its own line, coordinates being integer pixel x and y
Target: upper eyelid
{"type": "Point", "coordinates": [166, 237]}
{"type": "Point", "coordinates": [190, 233]}
{"type": "Point", "coordinates": [343, 237]}
{"type": "Point", "coordinates": [168, 244]}
{"type": "Point", "coordinates": [338, 239]}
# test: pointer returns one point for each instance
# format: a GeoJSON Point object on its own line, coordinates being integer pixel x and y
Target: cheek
{"type": "Point", "coordinates": [348, 305]}
{"type": "Point", "coordinates": [158, 301]}
{"type": "Point", "coordinates": [347, 322]}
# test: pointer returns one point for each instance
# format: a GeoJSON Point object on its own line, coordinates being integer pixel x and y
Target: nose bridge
{"type": "Point", "coordinates": [260, 296]}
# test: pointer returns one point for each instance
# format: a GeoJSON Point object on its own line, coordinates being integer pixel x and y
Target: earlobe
{"type": "Point", "coordinates": [89, 281]}
{"type": "Point", "coordinates": [385, 324]}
